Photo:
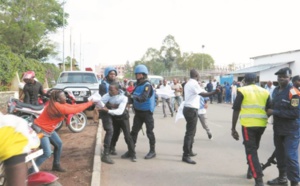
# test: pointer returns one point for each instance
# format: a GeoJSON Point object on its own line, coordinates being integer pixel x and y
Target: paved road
{"type": "Point", "coordinates": [220, 162]}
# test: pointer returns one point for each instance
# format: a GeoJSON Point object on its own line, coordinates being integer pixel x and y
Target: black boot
{"type": "Point", "coordinates": [281, 180]}
{"type": "Point", "coordinates": [188, 160]}
{"type": "Point", "coordinates": [133, 158]}
{"type": "Point", "coordinates": [294, 183]}
{"type": "Point", "coordinates": [58, 168]}
{"type": "Point", "coordinates": [106, 158]}
{"type": "Point", "coordinates": [249, 173]}
{"type": "Point", "coordinates": [151, 153]}
{"type": "Point", "coordinates": [113, 151]}
{"type": "Point", "coordinates": [125, 155]}
{"type": "Point", "coordinates": [259, 182]}
{"type": "Point", "coordinates": [192, 153]}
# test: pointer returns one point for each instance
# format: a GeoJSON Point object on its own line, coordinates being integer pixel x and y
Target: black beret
{"type": "Point", "coordinates": [284, 71]}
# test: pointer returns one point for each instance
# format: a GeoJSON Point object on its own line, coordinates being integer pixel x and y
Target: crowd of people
{"type": "Point", "coordinates": [252, 106]}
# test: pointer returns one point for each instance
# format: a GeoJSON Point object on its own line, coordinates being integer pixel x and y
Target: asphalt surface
{"type": "Point", "coordinates": [220, 161]}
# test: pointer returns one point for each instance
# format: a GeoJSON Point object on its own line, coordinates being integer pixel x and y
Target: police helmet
{"type": "Point", "coordinates": [250, 77]}
{"type": "Point", "coordinates": [141, 69]}
{"type": "Point", "coordinates": [108, 70]}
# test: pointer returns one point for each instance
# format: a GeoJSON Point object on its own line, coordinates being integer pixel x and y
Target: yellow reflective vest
{"type": "Point", "coordinates": [253, 112]}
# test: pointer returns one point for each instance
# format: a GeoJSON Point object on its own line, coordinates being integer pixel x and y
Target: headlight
{"type": "Point", "coordinates": [76, 93]}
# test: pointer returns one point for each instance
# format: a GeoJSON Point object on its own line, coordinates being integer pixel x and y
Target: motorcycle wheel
{"type": "Point", "coordinates": [59, 125]}
{"type": "Point", "coordinates": [56, 183]}
{"type": "Point", "coordinates": [78, 122]}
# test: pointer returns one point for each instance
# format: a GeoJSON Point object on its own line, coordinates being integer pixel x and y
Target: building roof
{"type": "Point", "coordinates": [259, 68]}
{"type": "Point", "coordinates": [274, 54]}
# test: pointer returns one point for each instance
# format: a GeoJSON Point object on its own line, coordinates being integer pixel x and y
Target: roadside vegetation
{"type": "Point", "coordinates": [25, 26]}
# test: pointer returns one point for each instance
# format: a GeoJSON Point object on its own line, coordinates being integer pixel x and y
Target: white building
{"type": "Point", "coordinates": [265, 66]}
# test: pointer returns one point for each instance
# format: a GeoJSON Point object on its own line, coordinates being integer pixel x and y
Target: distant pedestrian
{"type": "Point", "coordinates": [251, 104]}
{"type": "Point", "coordinates": [202, 115]}
{"type": "Point", "coordinates": [233, 91]}
{"type": "Point", "coordinates": [220, 94]}
{"type": "Point", "coordinates": [227, 93]}
{"type": "Point", "coordinates": [209, 88]}
{"type": "Point", "coordinates": [178, 91]}
{"type": "Point", "coordinates": [270, 88]}
{"type": "Point", "coordinates": [166, 100]}
{"type": "Point", "coordinates": [129, 90]}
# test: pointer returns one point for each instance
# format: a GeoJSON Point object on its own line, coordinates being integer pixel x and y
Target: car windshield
{"type": "Point", "coordinates": [77, 78]}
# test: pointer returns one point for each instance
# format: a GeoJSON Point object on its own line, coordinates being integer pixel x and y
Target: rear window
{"type": "Point", "coordinates": [77, 78]}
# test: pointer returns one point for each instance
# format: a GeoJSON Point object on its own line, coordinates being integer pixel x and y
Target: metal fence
{"type": "Point", "coordinates": [205, 74]}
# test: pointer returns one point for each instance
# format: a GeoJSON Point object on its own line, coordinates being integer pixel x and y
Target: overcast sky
{"type": "Point", "coordinates": [232, 31]}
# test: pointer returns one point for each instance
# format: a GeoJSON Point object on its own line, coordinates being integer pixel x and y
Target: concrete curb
{"type": "Point", "coordinates": [96, 176]}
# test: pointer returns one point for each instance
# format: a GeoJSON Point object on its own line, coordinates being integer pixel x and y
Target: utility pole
{"type": "Point", "coordinates": [202, 59]}
{"type": "Point", "coordinates": [63, 52]}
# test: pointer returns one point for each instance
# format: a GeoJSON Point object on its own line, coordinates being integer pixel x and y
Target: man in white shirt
{"type": "Point", "coordinates": [166, 99]}
{"type": "Point", "coordinates": [192, 90]}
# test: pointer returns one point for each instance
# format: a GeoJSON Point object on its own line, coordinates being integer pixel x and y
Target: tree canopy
{"type": "Point", "coordinates": [25, 24]}
{"type": "Point", "coordinates": [169, 58]}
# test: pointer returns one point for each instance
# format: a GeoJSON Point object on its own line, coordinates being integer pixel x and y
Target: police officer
{"type": "Point", "coordinates": [110, 74]}
{"type": "Point", "coordinates": [285, 111]}
{"type": "Point", "coordinates": [251, 104]}
{"type": "Point", "coordinates": [143, 103]}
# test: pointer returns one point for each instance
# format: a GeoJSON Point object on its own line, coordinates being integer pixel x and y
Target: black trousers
{"type": "Point", "coordinates": [190, 115]}
{"type": "Point", "coordinates": [124, 125]}
{"type": "Point", "coordinates": [139, 119]}
{"type": "Point", "coordinates": [108, 127]}
{"type": "Point", "coordinates": [252, 136]}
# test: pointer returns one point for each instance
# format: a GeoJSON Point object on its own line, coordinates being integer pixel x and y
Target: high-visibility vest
{"type": "Point", "coordinates": [253, 112]}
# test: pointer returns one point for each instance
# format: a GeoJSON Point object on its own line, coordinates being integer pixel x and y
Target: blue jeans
{"type": "Point", "coordinates": [46, 142]}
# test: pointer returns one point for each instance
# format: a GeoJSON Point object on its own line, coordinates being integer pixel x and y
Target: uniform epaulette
{"type": "Point", "coordinates": [293, 91]}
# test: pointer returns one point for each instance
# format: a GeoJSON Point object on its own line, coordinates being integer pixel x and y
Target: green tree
{"type": "Point", "coordinates": [153, 61]}
{"type": "Point", "coordinates": [170, 52]}
{"type": "Point", "coordinates": [196, 60]}
{"type": "Point", "coordinates": [25, 24]}
{"type": "Point", "coordinates": [128, 71]}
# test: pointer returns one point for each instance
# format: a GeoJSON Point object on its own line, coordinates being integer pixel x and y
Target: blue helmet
{"type": "Point", "coordinates": [108, 70]}
{"type": "Point", "coordinates": [141, 69]}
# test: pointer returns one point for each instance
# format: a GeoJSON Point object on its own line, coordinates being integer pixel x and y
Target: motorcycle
{"type": "Point", "coordinates": [75, 122]}
{"type": "Point", "coordinates": [38, 178]}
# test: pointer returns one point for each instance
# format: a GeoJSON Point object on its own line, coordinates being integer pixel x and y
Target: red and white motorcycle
{"type": "Point", "coordinates": [75, 122]}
